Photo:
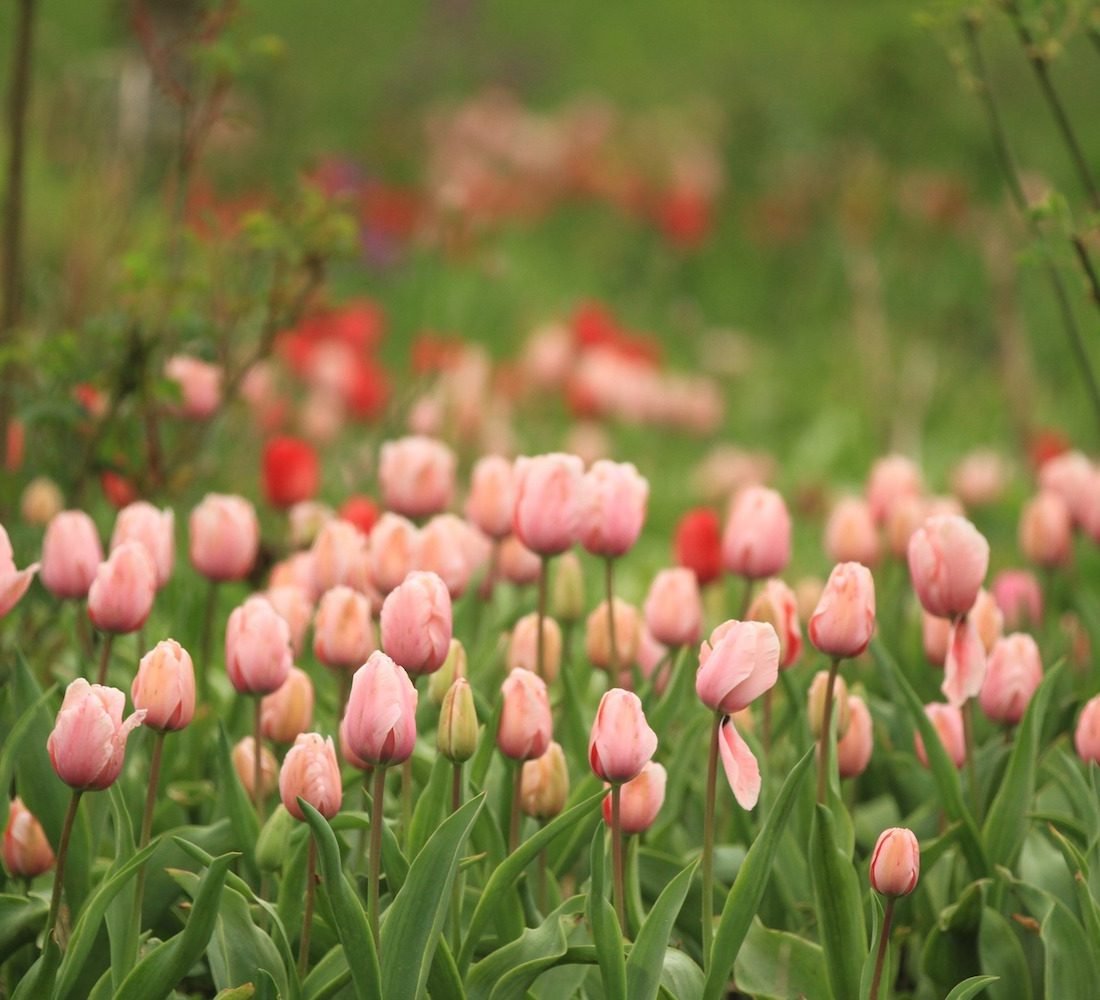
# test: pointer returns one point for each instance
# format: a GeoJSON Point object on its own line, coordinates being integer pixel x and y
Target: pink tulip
{"type": "Point", "coordinates": [305, 519]}
{"type": "Point", "coordinates": [121, 595]}
{"type": "Point", "coordinates": [1070, 475]}
{"type": "Point", "coordinates": [517, 563]}
{"type": "Point", "coordinates": [288, 710]}
{"type": "Point", "coordinates": [544, 784]}
{"type": "Point", "coordinates": [737, 665]}
{"type": "Point", "coordinates": [244, 763]}
{"type": "Point", "coordinates": [815, 704]}
{"type": "Point", "coordinates": [523, 646]}
{"type": "Point", "coordinates": [936, 635]}
{"type": "Point", "coordinates": [844, 620]}
{"type": "Point", "coordinates": [343, 632]}
{"type": "Point", "coordinates": [416, 623]}
{"type": "Point", "coordinates": [906, 516]}
{"type": "Point", "coordinates": [258, 656]}
{"type": "Point", "coordinates": [380, 718]}
{"type": "Point", "coordinates": [547, 514]}
{"type": "Point", "coordinates": [757, 540]}
{"type": "Point", "coordinates": [492, 496]}
{"type": "Point", "coordinates": [88, 741]}
{"type": "Point", "coordinates": [621, 742]}
{"type": "Point", "coordinates": [893, 478]}
{"type": "Point", "coordinates": [1019, 597]}
{"type": "Point", "coordinates": [851, 534]}
{"type": "Point", "coordinates": [612, 508]}
{"type": "Point", "coordinates": [640, 800]}
{"type": "Point", "coordinates": [13, 582]}
{"type": "Point", "coordinates": [445, 550]}
{"type": "Point", "coordinates": [295, 570]}
{"type": "Point", "coordinates": [200, 385]}
{"type": "Point", "coordinates": [597, 635]}
{"type": "Point", "coordinates": [164, 687]}
{"type": "Point", "coordinates": [339, 558]}
{"type": "Point", "coordinates": [987, 619]}
{"type": "Point", "coordinates": [416, 476]}
{"type": "Point", "coordinates": [27, 852]}
{"type": "Point", "coordinates": [853, 749]}
{"type": "Point", "coordinates": [948, 559]}
{"type": "Point", "coordinates": [1086, 737]}
{"type": "Point", "coordinates": [394, 551]}
{"type": "Point", "coordinates": [1013, 673]}
{"type": "Point", "coordinates": [776, 604]}
{"type": "Point", "coordinates": [310, 772]}
{"type": "Point", "coordinates": [225, 537]}
{"type": "Point", "coordinates": [295, 608]}
{"type": "Point", "coordinates": [895, 862]}
{"type": "Point", "coordinates": [741, 767]}
{"type": "Point", "coordinates": [964, 665]}
{"type": "Point", "coordinates": [1046, 530]}
{"type": "Point", "coordinates": [980, 478]}
{"type": "Point", "coordinates": [673, 608]}
{"type": "Point", "coordinates": [948, 723]}
{"type": "Point", "coordinates": [1089, 514]}
{"type": "Point", "coordinates": [154, 529]}
{"type": "Point", "coordinates": [526, 726]}
{"type": "Point", "coordinates": [71, 554]}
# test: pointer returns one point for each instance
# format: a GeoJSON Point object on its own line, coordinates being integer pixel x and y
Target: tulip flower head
{"type": "Point", "coordinates": [640, 800]}
{"type": "Point", "coordinates": [853, 749]}
{"type": "Point", "coordinates": [343, 631]}
{"type": "Point", "coordinates": [288, 710]}
{"type": "Point", "coordinates": [310, 772]}
{"type": "Point", "coordinates": [71, 554]}
{"type": "Point", "coordinates": [27, 852]}
{"type": "Point", "coordinates": [776, 604]}
{"type": "Point", "coordinates": [621, 742]}
{"type": "Point", "coordinates": [673, 608]}
{"type": "Point", "coordinates": [154, 529]}
{"type": "Point", "coordinates": [258, 654]}
{"type": "Point", "coordinates": [416, 623]}
{"type": "Point", "coordinates": [546, 518]}
{"type": "Point", "coordinates": [416, 476]}
{"type": "Point", "coordinates": [895, 862]}
{"type": "Point", "coordinates": [165, 687]}
{"type": "Point", "coordinates": [544, 784]}
{"type": "Point", "coordinates": [13, 582]}
{"type": "Point", "coordinates": [380, 718]}
{"type": "Point", "coordinates": [526, 726]}
{"type": "Point", "coordinates": [737, 664]}
{"type": "Point", "coordinates": [948, 559]}
{"type": "Point", "coordinates": [88, 741]}
{"type": "Point", "coordinates": [1013, 674]}
{"type": "Point", "coordinates": [225, 537]}
{"type": "Point", "coordinates": [612, 508]}
{"type": "Point", "coordinates": [757, 540]}
{"type": "Point", "coordinates": [844, 620]}
{"type": "Point", "coordinates": [122, 593]}
{"type": "Point", "coordinates": [1086, 737]}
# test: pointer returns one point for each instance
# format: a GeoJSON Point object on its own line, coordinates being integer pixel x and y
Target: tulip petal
{"type": "Point", "coordinates": [14, 587]}
{"type": "Point", "coordinates": [741, 767]}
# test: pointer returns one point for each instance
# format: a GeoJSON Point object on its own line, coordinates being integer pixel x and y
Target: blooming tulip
{"type": "Point", "coordinates": [621, 742]}
{"type": "Point", "coordinates": [525, 723]}
{"type": "Point", "coordinates": [492, 496]}
{"type": "Point", "coordinates": [1013, 673]}
{"type": "Point", "coordinates": [13, 582]}
{"type": "Point", "coordinates": [522, 647]}
{"type": "Point", "coordinates": [257, 647]}
{"type": "Point", "coordinates": [546, 518]}
{"type": "Point", "coordinates": [642, 798]}
{"type": "Point", "coordinates": [853, 749]}
{"type": "Point", "coordinates": [776, 604]}
{"type": "Point", "coordinates": [895, 862]}
{"type": "Point", "coordinates": [948, 723]}
{"type": "Point", "coordinates": [381, 712]}
{"type": "Point", "coordinates": [288, 710]}
{"type": "Point", "coordinates": [416, 476]}
{"type": "Point", "coordinates": [844, 620]}
{"type": "Point", "coordinates": [948, 559]}
{"type": "Point", "coordinates": [27, 852]}
{"type": "Point", "coordinates": [164, 687]}
{"type": "Point", "coordinates": [757, 540]}
{"type": "Point", "coordinates": [416, 623]}
{"type": "Point", "coordinates": [673, 608]}
{"type": "Point", "coordinates": [154, 529]}
{"type": "Point", "coordinates": [310, 772]}
{"type": "Point", "coordinates": [737, 664]}
{"type": "Point", "coordinates": [544, 784]}
{"type": "Point", "coordinates": [121, 595]}
{"type": "Point", "coordinates": [71, 554]}
{"type": "Point", "coordinates": [225, 537]}
{"type": "Point", "coordinates": [612, 508]}
{"type": "Point", "coordinates": [88, 741]}
{"type": "Point", "coordinates": [343, 632]}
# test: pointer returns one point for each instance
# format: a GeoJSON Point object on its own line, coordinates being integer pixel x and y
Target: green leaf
{"type": "Point", "coordinates": [1001, 953]}
{"type": "Point", "coordinates": [414, 921]}
{"type": "Point", "coordinates": [1007, 821]}
{"type": "Point", "coordinates": [970, 987]}
{"type": "Point", "coordinates": [238, 948]}
{"type": "Point", "coordinates": [606, 931]}
{"type": "Point", "coordinates": [21, 919]}
{"type": "Point", "coordinates": [444, 982]}
{"type": "Point", "coordinates": [877, 917]}
{"type": "Point", "coordinates": [328, 976]}
{"type": "Point", "coordinates": [122, 930]}
{"type": "Point", "coordinates": [838, 902]}
{"type": "Point", "coordinates": [159, 972]}
{"type": "Point", "coordinates": [40, 977]}
{"type": "Point", "coordinates": [643, 967]}
{"type": "Point", "coordinates": [778, 964]}
{"type": "Point", "coordinates": [241, 812]}
{"type": "Point", "coordinates": [747, 891]}
{"type": "Point", "coordinates": [351, 920]}
{"type": "Point", "coordinates": [504, 878]}
{"type": "Point", "coordinates": [430, 804]}
{"type": "Point", "coordinates": [681, 977]}
{"type": "Point", "coordinates": [483, 756]}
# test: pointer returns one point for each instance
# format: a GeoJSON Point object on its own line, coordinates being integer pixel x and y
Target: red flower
{"type": "Point", "coordinates": [290, 471]}
{"type": "Point", "coordinates": [1046, 443]}
{"type": "Point", "coordinates": [360, 511]}
{"type": "Point", "coordinates": [698, 544]}
{"type": "Point", "coordinates": [594, 325]}
{"type": "Point", "coordinates": [119, 491]}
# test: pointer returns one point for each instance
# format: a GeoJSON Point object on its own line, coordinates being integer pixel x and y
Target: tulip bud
{"type": "Point", "coordinates": [851, 534]}
{"type": "Point", "coordinates": [393, 552]}
{"type": "Point", "coordinates": [737, 664]}
{"type": "Point", "coordinates": [295, 570]}
{"type": "Point", "coordinates": [416, 476]}
{"type": "Point", "coordinates": [257, 647]}
{"type": "Point", "coordinates": [640, 799]}
{"type": "Point", "coordinates": [816, 704]}
{"type": "Point", "coordinates": [893, 479]}
{"type": "Point", "coordinates": [777, 605]}
{"type": "Point", "coordinates": [673, 608]}
{"type": "Point", "coordinates": [948, 559]}
{"type": "Point", "coordinates": [844, 620]}
{"type": "Point", "coordinates": [544, 784]}
{"type": "Point", "coordinates": [757, 540]}
{"type": "Point", "coordinates": [456, 737]}
{"type": "Point", "coordinates": [1086, 737]}
{"type": "Point", "coordinates": [310, 772]}
{"type": "Point", "coordinates": [1046, 530]}
{"type": "Point", "coordinates": [612, 508]}
{"type": "Point", "coordinates": [453, 667]}
{"type": "Point", "coordinates": [853, 749]}
{"type": "Point", "coordinates": [343, 631]}
{"type": "Point", "coordinates": [526, 726]}
{"type": "Point", "coordinates": [154, 529]}
{"type": "Point", "coordinates": [71, 554]}
{"type": "Point", "coordinates": [907, 515]}
{"type": "Point", "coordinates": [339, 558]}
{"type": "Point", "coordinates": [1019, 597]}
{"type": "Point", "coordinates": [547, 512]}
{"type": "Point", "coordinates": [41, 501]}
{"type": "Point", "coordinates": [523, 647]}
{"type": "Point", "coordinates": [288, 710]}
{"type": "Point", "coordinates": [244, 763]}
{"type": "Point", "coordinates": [416, 623]}
{"type": "Point", "coordinates": [121, 595]}
{"type": "Point", "coordinates": [492, 496]}
{"type": "Point", "coordinates": [13, 582]}
{"type": "Point", "coordinates": [225, 537]}
{"type": "Point", "coordinates": [567, 589]}
{"type": "Point", "coordinates": [698, 544]}
{"type": "Point", "coordinates": [517, 563]}
{"type": "Point", "coordinates": [88, 741]}
{"type": "Point", "coordinates": [621, 742]}
{"type": "Point", "coordinates": [27, 852]}
{"type": "Point", "coordinates": [1013, 673]}
{"type": "Point", "coordinates": [597, 638]}
{"type": "Point", "coordinates": [1069, 475]}
{"type": "Point", "coordinates": [381, 713]}
{"type": "Point", "coordinates": [948, 723]}
{"type": "Point", "coordinates": [895, 862]}
{"type": "Point", "coordinates": [165, 687]}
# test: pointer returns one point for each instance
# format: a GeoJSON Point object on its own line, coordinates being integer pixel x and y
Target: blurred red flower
{"type": "Point", "coordinates": [290, 471]}
{"type": "Point", "coordinates": [698, 544]}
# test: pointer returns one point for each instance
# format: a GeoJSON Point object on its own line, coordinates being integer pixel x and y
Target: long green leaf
{"type": "Point", "coordinates": [122, 930]}
{"type": "Point", "coordinates": [837, 900]}
{"type": "Point", "coordinates": [429, 804]}
{"type": "Point", "coordinates": [606, 932]}
{"type": "Point", "coordinates": [328, 976]}
{"type": "Point", "coordinates": [748, 887]}
{"type": "Point", "coordinates": [1001, 954]}
{"type": "Point", "coordinates": [414, 921]}
{"type": "Point", "coordinates": [775, 963]}
{"type": "Point", "coordinates": [643, 967]}
{"type": "Point", "coordinates": [970, 987]}
{"type": "Point", "coordinates": [21, 918]}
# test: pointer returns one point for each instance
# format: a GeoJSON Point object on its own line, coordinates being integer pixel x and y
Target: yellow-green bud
{"type": "Point", "coordinates": [816, 706]}
{"type": "Point", "coordinates": [567, 589]}
{"type": "Point", "coordinates": [544, 784]}
{"type": "Point", "coordinates": [456, 737]}
{"type": "Point", "coordinates": [453, 667]}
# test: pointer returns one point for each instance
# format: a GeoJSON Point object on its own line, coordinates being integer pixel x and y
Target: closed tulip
{"type": "Point", "coordinates": [544, 784]}
{"type": "Point", "coordinates": [295, 608]}
{"type": "Point", "coordinates": [225, 537]}
{"type": "Point", "coordinates": [27, 852]}
{"type": "Point", "coordinates": [339, 558]}
{"type": "Point", "coordinates": [523, 647]}
{"type": "Point", "coordinates": [1069, 475]}
{"type": "Point", "coordinates": [893, 478]}
{"type": "Point", "coordinates": [566, 588]}
{"type": "Point", "coordinates": [1019, 597]}
{"type": "Point", "coordinates": [948, 723]}
{"type": "Point", "coordinates": [41, 500]}
{"type": "Point", "coordinates": [757, 540]}
{"type": "Point", "coordinates": [200, 385]}
{"type": "Point", "coordinates": [597, 636]}
{"type": "Point", "coordinates": [1012, 675]}
{"type": "Point", "coordinates": [492, 496]}
{"type": "Point", "coordinates": [851, 534]}
{"type": "Point", "coordinates": [948, 559]}
{"type": "Point", "coordinates": [526, 726]}
{"type": "Point", "coordinates": [612, 508]}
{"type": "Point", "coordinates": [936, 635]}
{"type": "Point", "coordinates": [343, 631]}
{"type": "Point", "coordinates": [517, 563]}
{"type": "Point", "coordinates": [122, 593]}
{"type": "Point", "coordinates": [844, 620]}
{"type": "Point", "coordinates": [673, 608]}
{"type": "Point", "coordinates": [416, 476]}
{"type": "Point", "coordinates": [1086, 737]}
{"type": "Point", "coordinates": [257, 647]}
{"type": "Point", "coordinates": [310, 772]}
{"type": "Point", "coordinates": [698, 544]}
{"type": "Point", "coordinates": [621, 742]}
{"type": "Point", "coordinates": [71, 554]}
{"type": "Point", "coordinates": [776, 604]}
{"type": "Point", "coordinates": [394, 551]}
{"type": "Point", "coordinates": [13, 582]}
{"type": "Point", "coordinates": [640, 800]}
{"type": "Point", "coordinates": [987, 620]}
{"type": "Point", "coordinates": [288, 710]}
{"type": "Point", "coordinates": [445, 549]}
{"type": "Point", "coordinates": [547, 514]}
{"type": "Point", "coordinates": [1046, 530]}
{"type": "Point", "coordinates": [454, 666]}
{"type": "Point", "coordinates": [416, 623]}
{"type": "Point", "coordinates": [895, 862]}
{"type": "Point", "coordinates": [965, 663]}
{"type": "Point", "coordinates": [88, 741]}
{"type": "Point", "coordinates": [815, 704]}
{"type": "Point", "coordinates": [291, 471]}
{"type": "Point", "coordinates": [154, 529]}
{"type": "Point", "coordinates": [737, 664]}
{"type": "Point", "coordinates": [381, 713]}
{"type": "Point", "coordinates": [244, 763]}
{"type": "Point", "coordinates": [853, 749]}
{"type": "Point", "coordinates": [456, 737]}
{"type": "Point", "coordinates": [164, 687]}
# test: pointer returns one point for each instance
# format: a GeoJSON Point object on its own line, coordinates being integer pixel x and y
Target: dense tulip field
{"type": "Point", "coordinates": [395, 602]}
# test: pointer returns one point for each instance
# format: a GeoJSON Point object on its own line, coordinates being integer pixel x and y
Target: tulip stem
{"type": "Point", "coordinates": [617, 852]}
{"type": "Point", "coordinates": [258, 759]}
{"type": "Point", "coordinates": [746, 599]}
{"type": "Point", "coordinates": [883, 944]}
{"type": "Point", "coordinates": [147, 827]}
{"type": "Point", "coordinates": [544, 567]}
{"type": "Point", "coordinates": [826, 733]}
{"type": "Point", "coordinates": [609, 579]}
{"type": "Point", "coordinates": [517, 794]}
{"type": "Point", "coordinates": [207, 640]}
{"type": "Point", "coordinates": [456, 886]}
{"type": "Point", "coordinates": [105, 657]}
{"type": "Point", "coordinates": [307, 917]}
{"type": "Point", "coordinates": [968, 749]}
{"type": "Point", "coordinates": [708, 840]}
{"type": "Point", "coordinates": [378, 796]}
{"type": "Point", "coordinates": [59, 871]}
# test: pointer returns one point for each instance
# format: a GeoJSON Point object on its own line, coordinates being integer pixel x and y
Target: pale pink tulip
{"type": "Point", "coordinates": [416, 623]}
{"type": "Point", "coordinates": [613, 508]}
{"type": "Point", "coordinates": [1046, 530]}
{"type": "Point", "coordinates": [948, 723]}
{"type": "Point", "coordinates": [895, 862]}
{"type": "Point", "coordinates": [621, 742]}
{"type": "Point", "coordinates": [893, 478]}
{"type": "Point", "coordinates": [948, 559]}
{"type": "Point", "coordinates": [757, 540]}
{"type": "Point", "coordinates": [380, 718]}
{"type": "Point", "coordinates": [1012, 675]}
{"type": "Point", "coordinates": [673, 608]}
{"type": "Point", "coordinates": [737, 664]}
{"type": "Point", "coordinates": [526, 726]}
{"type": "Point", "coordinates": [200, 385]}
{"type": "Point", "coordinates": [776, 604]}
{"type": "Point", "coordinates": [13, 582]}
{"type": "Point", "coordinates": [71, 554]}
{"type": "Point", "coordinates": [640, 799]}
{"type": "Point", "coordinates": [288, 710]}
{"type": "Point", "coordinates": [416, 476]}
{"type": "Point", "coordinates": [164, 687]}
{"type": "Point", "coordinates": [27, 852]}
{"type": "Point", "coordinates": [851, 534]}
{"type": "Point", "coordinates": [343, 632]}
{"type": "Point", "coordinates": [853, 749]}
{"type": "Point", "coordinates": [88, 741]}
{"type": "Point", "coordinates": [258, 655]}
{"type": "Point", "coordinates": [844, 620]}
{"type": "Point", "coordinates": [339, 558]}
{"type": "Point", "coordinates": [225, 537]}
{"type": "Point", "coordinates": [492, 496]}
{"type": "Point", "coordinates": [310, 772]}
{"type": "Point", "coordinates": [547, 514]}
{"type": "Point", "coordinates": [122, 593]}
{"type": "Point", "coordinates": [155, 529]}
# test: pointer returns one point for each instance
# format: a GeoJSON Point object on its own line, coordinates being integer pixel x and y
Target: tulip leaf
{"type": "Point", "coordinates": [838, 902]}
{"type": "Point", "coordinates": [747, 891]}
{"type": "Point", "coordinates": [606, 932]}
{"type": "Point", "coordinates": [328, 976]}
{"type": "Point", "coordinates": [775, 963]}
{"type": "Point", "coordinates": [238, 947]}
{"type": "Point", "coordinates": [414, 921]}
{"type": "Point", "coordinates": [1007, 821]}
{"type": "Point", "coordinates": [351, 920]}
{"type": "Point", "coordinates": [160, 971]}
{"type": "Point", "coordinates": [429, 804]}
{"type": "Point", "coordinates": [943, 770]}
{"type": "Point", "coordinates": [970, 987]}
{"type": "Point", "coordinates": [34, 714]}
{"type": "Point", "coordinates": [681, 978]}
{"type": "Point", "coordinates": [444, 982]}
{"type": "Point", "coordinates": [240, 810]}
{"type": "Point", "coordinates": [1001, 954]}
{"type": "Point", "coordinates": [483, 756]}
{"type": "Point", "coordinates": [503, 880]}
{"type": "Point", "coordinates": [39, 979]}
{"type": "Point", "coordinates": [878, 918]}
{"type": "Point", "coordinates": [643, 967]}
{"type": "Point", "coordinates": [21, 919]}
{"type": "Point", "coordinates": [122, 930]}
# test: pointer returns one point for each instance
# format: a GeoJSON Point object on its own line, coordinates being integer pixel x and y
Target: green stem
{"type": "Point", "coordinates": [258, 759]}
{"type": "Point", "coordinates": [307, 916]}
{"type": "Point", "coordinates": [746, 599]}
{"type": "Point", "coordinates": [377, 807]}
{"type": "Point", "coordinates": [609, 581]}
{"type": "Point", "coordinates": [617, 854]}
{"type": "Point", "coordinates": [883, 944]}
{"type": "Point", "coordinates": [59, 871]}
{"type": "Point", "coordinates": [207, 641]}
{"type": "Point", "coordinates": [824, 740]}
{"type": "Point", "coordinates": [456, 887]}
{"type": "Point", "coordinates": [105, 657]}
{"type": "Point", "coordinates": [708, 840]}
{"type": "Point", "coordinates": [513, 824]}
